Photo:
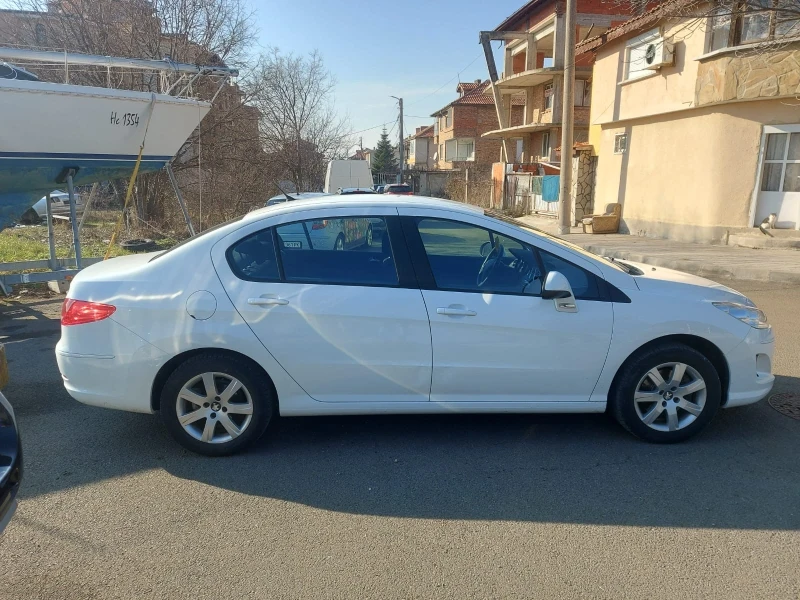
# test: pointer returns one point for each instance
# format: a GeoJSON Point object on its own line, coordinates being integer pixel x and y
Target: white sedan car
{"type": "Point", "coordinates": [451, 309]}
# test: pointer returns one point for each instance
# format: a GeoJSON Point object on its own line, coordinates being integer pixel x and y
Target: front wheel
{"type": "Point", "coordinates": [214, 404]}
{"type": "Point", "coordinates": [666, 394]}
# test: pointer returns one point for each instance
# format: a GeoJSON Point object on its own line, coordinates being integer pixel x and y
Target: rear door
{"type": "Point", "coordinates": [495, 339]}
{"type": "Point", "coordinates": [346, 320]}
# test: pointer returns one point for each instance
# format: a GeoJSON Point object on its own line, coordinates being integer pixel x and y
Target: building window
{"type": "Point", "coordinates": [520, 149]}
{"type": "Point", "coordinates": [412, 149]}
{"type": "Point", "coordinates": [636, 55]}
{"type": "Point", "coordinates": [546, 144]}
{"type": "Point", "coordinates": [620, 143]}
{"type": "Point", "coordinates": [548, 96]}
{"type": "Point", "coordinates": [583, 92]}
{"type": "Point", "coordinates": [746, 24]}
{"type": "Point", "coordinates": [781, 163]}
{"type": "Point", "coordinates": [448, 118]}
{"type": "Point", "coordinates": [459, 150]}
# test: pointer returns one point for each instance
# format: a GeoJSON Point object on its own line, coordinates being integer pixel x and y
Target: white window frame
{"type": "Point", "coordinates": [580, 99]}
{"type": "Point", "coordinates": [634, 45]}
{"type": "Point", "coordinates": [546, 144]}
{"type": "Point", "coordinates": [460, 156]}
{"type": "Point", "coordinates": [760, 165]}
{"type": "Point", "coordinates": [618, 147]}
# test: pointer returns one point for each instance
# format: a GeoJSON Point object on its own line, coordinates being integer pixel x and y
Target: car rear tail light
{"type": "Point", "coordinates": [319, 224]}
{"type": "Point", "coordinates": [78, 312]}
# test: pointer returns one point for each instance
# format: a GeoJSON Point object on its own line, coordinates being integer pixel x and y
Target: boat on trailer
{"type": "Point", "coordinates": [54, 132]}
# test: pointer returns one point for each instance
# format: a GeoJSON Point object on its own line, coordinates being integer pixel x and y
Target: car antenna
{"type": "Point", "coordinates": [288, 197]}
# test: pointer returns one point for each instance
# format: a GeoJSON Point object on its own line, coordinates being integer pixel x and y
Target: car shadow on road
{"type": "Point", "coordinates": [742, 472]}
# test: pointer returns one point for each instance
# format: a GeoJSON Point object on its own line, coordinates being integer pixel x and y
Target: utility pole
{"type": "Point", "coordinates": [402, 144]}
{"type": "Point", "coordinates": [567, 119]}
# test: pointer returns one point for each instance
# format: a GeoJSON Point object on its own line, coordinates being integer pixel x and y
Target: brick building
{"type": "Point", "coordinates": [460, 126]}
{"type": "Point", "coordinates": [533, 76]}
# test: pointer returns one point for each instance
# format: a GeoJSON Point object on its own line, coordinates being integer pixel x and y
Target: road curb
{"type": "Point", "coordinates": [763, 273]}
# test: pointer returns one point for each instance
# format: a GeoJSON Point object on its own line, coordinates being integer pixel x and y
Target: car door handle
{"type": "Point", "coordinates": [456, 312]}
{"type": "Point", "coordinates": [266, 301]}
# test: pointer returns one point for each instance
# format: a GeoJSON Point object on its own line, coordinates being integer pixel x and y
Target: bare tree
{"type": "Point", "coordinates": [301, 130]}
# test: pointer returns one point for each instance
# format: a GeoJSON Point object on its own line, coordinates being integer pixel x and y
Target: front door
{"type": "Point", "coordinates": [494, 338]}
{"type": "Point", "coordinates": [326, 297]}
{"type": "Point", "coordinates": [779, 177]}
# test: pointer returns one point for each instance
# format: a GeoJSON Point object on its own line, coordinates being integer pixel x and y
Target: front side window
{"type": "Point", "coordinates": [584, 285]}
{"type": "Point", "coordinates": [469, 258]}
{"type": "Point", "coordinates": [344, 251]}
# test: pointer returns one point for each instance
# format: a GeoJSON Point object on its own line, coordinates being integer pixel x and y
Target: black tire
{"type": "Point", "coordinates": [368, 237]}
{"type": "Point", "coordinates": [254, 381]}
{"type": "Point", "coordinates": [138, 245]}
{"type": "Point", "coordinates": [339, 243]}
{"type": "Point", "coordinates": [621, 398]}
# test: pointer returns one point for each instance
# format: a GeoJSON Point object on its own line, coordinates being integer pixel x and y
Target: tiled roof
{"type": "Point", "coordinates": [647, 18]}
{"type": "Point", "coordinates": [479, 96]}
{"type": "Point", "coordinates": [427, 132]}
{"type": "Point", "coordinates": [469, 86]}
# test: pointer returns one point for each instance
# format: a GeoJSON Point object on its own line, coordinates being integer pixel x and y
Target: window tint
{"type": "Point", "coordinates": [584, 285]}
{"type": "Point", "coordinates": [346, 251]}
{"type": "Point", "coordinates": [469, 258]}
{"type": "Point", "coordinates": [253, 258]}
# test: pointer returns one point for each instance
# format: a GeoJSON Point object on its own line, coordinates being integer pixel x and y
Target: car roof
{"type": "Point", "coordinates": [358, 200]}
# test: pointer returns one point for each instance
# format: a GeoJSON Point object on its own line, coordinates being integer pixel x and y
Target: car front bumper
{"type": "Point", "coordinates": [750, 367]}
{"type": "Point", "coordinates": [10, 465]}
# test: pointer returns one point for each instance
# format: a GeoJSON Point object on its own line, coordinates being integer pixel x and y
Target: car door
{"type": "Point", "coordinates": [347, 322]}
{"type": "Point", "coordinates": [498, 340]}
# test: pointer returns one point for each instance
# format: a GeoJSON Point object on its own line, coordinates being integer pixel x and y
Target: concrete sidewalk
{"type": "Point", "coordinates": [714, 262]}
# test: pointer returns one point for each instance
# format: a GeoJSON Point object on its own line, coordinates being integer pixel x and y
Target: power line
{"type": "Point", "coordinates": [457, 75]}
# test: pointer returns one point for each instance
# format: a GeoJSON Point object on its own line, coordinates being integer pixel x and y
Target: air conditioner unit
{"type": "Point", "coordinates": [658, 54]}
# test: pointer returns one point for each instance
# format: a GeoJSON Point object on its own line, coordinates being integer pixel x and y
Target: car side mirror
{"type": "Point", "coordinates": [557, 288]}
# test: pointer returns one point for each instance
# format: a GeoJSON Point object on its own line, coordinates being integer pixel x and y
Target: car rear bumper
{"type": "Point", "coordinates": [750, 365]}
{"type": "Point", "coordinates": [119, 376]}
{"type": "Point", "coordinates": [10, 466]}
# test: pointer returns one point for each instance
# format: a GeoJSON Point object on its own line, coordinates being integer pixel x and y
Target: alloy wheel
{"type": "Point", "coordinates": [214, 408]}
{"type": "Point", "coordinates": [670, 396]}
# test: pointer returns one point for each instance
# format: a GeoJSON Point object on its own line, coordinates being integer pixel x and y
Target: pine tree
{"type": "Point", "coordinates": [383, 160]}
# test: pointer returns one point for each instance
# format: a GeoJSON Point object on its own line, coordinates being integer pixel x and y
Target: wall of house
{"type": "Point", "coordinates": [669, 89]}
{"type": "Point", "coordinates": [688, 175]}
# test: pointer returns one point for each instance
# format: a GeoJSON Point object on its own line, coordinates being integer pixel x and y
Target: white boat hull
{"type": "Point", "coordinates": [46, 129]}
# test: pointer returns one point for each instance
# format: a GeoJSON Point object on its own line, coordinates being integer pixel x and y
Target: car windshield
{"type": "Point", "coordinates": [625, 268]}
{"type": "Point", "coordinates": [398, 188]}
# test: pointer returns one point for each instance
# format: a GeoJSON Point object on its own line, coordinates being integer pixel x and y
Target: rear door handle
{"type": "Point", "coordinates": [266, 301]}
{"type": "Point", "coordinates": [456, 312]}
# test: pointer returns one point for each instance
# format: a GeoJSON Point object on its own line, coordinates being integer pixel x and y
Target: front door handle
{"type": "Point", "coordinates": [455, 311]}
{"type": "Point", "coordinates": [266, 301]}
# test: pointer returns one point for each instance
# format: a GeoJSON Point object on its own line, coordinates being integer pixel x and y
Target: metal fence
{"type": "Point", "coordinates": [527, 193]}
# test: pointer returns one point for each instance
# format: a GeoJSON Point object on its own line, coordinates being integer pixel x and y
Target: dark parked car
{"type": "Point", "coordinates": [10, 452]}
{"type": "Point", "coordinates": [400, 189]}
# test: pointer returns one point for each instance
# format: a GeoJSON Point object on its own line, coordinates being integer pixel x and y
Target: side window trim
{"type": "Point", "coordinates": [235, 270]}
{"type": "Point", "coordinates": [276, 244]}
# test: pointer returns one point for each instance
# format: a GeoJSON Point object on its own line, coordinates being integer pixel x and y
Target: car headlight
{"type": "Point", "coordinates": [746, 314]}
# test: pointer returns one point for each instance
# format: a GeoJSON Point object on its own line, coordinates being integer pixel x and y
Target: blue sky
{"type": "Point", "coordinates": [377, 49]}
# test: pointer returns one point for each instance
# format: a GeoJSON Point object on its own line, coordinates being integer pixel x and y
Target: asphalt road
{"type": "Point", "coordinates": [400, 507]}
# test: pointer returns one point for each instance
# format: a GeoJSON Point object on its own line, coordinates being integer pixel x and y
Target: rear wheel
{"type": "Point", "coordinates": [215, 405]}
{"type": "Point", "coordinates": [666, 394]}
{"type": "Point", "coordinates": [368, 237]}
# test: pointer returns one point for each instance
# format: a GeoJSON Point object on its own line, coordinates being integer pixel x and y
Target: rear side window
{"type": "Point", "coordinates": [342, 251]}
{"type": "Point", "coordinates": [253, 258]}
{"type": "Point", "coordinates": [585, 286]}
